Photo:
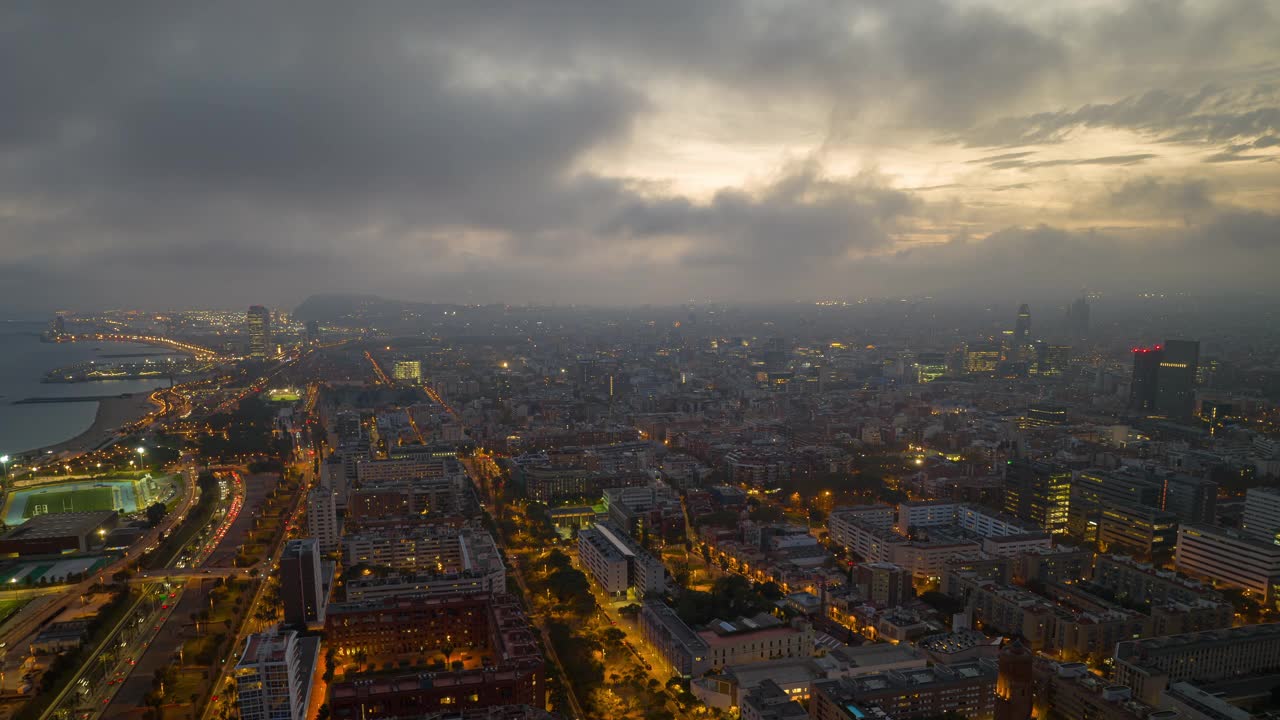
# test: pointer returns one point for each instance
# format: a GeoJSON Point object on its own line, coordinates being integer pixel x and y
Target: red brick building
{"type": "Point", "coordinates": [506, 666]}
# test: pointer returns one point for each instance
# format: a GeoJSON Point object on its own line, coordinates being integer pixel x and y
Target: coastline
{"type": "Point", "coordinates": [112, 413]}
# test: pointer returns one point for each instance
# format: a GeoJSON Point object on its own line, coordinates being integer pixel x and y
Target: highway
{"type": "Point", "coordinates": [114, 655]}
{"type": "Point", "coordinates": [137, 627]}
{"type": "Point", "coordinates": [291, 519]}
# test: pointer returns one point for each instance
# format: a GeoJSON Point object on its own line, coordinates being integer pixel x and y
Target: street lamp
{"type": "Point", "coordinates": [4, 460]}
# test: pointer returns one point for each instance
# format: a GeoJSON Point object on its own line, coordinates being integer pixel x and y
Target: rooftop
{"type": "Point", "coordinates": [59, 525]}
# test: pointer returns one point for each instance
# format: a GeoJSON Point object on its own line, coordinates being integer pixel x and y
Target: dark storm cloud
{"type": "Point", "coordinates": [193, 152]}
{"type": "Point", "coordinates": [803, 216]}
{"type": "Point", "coordinates": [1052, 259]}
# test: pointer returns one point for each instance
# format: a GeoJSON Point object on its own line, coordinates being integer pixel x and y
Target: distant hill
{"type": "Point", "coordinates": [335, 307]}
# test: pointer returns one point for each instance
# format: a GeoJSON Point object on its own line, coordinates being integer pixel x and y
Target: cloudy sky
{"type": "Point", "coordinates": [181, 154]}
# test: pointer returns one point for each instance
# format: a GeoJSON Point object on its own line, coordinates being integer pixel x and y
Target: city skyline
{"type": "Point", "coordinates": [560, 152]}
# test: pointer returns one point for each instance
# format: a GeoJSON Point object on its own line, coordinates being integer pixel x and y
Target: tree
{"type": "Point", "coordinates": [155, 513]}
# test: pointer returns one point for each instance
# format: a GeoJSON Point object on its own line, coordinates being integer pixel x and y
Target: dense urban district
{"type": "Point", "coordinates": [890, 510]}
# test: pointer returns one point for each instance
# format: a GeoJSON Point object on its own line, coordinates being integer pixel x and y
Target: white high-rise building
{"type": "Point", "coordinates": [322, 518]}
{"type": "Point", "coordinates": [273, 677]}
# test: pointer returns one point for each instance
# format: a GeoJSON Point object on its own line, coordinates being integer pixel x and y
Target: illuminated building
{"type": "Point", "coordinates": [408, 370]}
{"type": "Point", "coordinates": [1146, 533]}
{"type": "Point", "coordinates": [259, 326]}
{"type": "Point", "coordinates": [981, 358]}
{"type": "Point", "coordinates": [1022, 333]}
{"type": "Point", "coordinates": [931, 365]}
{"type": "Point", "coordinates": [273, 676]}
{"type": "Point", "coordinates": [1051, 360]}
{"type": "Point", "coordinates": [617, 562]}
{"type": "Point", "coordinates": [1039, 492]}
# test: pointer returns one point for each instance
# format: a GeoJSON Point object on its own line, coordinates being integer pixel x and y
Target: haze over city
{"type": "Point", "coordinates": [607, 153]}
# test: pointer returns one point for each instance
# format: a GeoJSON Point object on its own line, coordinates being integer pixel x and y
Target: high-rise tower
{"type": "Point", "coordinates": [1078, 319]}
{"type": "Point", "coordinates": [1176, 388]}
{"type": "Point", "coordinates": [259, 324]}
{"type": "Point", "coordinates": [1022, 328]}
{"type": "Point", "coordinates": [1143, 386]}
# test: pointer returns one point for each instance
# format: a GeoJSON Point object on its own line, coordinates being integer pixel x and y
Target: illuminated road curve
{"type": "Point", "coordinates": [201, 353]}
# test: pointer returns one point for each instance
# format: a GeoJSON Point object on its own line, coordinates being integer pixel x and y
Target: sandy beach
{"type": "Point", "coordinates": [112, 413]}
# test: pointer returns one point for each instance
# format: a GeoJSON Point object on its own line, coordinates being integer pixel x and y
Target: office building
{"type": "Point", "coordinates": [618, 563]}
{"type": "Point", "coordinates": [1189, 499]}
{"type": "Point", "coordinates": [1262, 513]}
{"type": "Point", "coordinates": [1078, 318]}
{"type": "Point", "coordinates": [1050, 360]}
{"type": "Point", "coordinates": [930, 366]}
{"type": "Point", "coordinates": [304, 587]}
{"type": "Point", "coordinates": [1043, 416]}
{"type": "Point", "coordinates": [1040, 493]}
{"type": "Point", "coordinates": [407, 371]}
{"type": "Point", "coordinates": [274, 675]}
{"type": "Point", "coordinates": [1229, 557]}
{"type": "Point", "coordinates": [981, 358]}
{"type": "Point", "coordinates": [1176, 381]}
{"type": "Point", "coordinates": [1143, 386]}
{"type": "Point", "coordinates": [1164, 379]}
{"type": "Point", "coordinates": [1149, 666]}
{"type": "Point", "coordinates": [1147, 533]}
{"type": "Point", "coordinates": [259, 328]}
{"type": "Point", "coordinates": [966, 689]}
{"type": "Point", "coordinates": [313, 332]}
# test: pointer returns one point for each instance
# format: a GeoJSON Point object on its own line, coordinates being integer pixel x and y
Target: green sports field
{"type": "Point", "coordinates": [72, 500]}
